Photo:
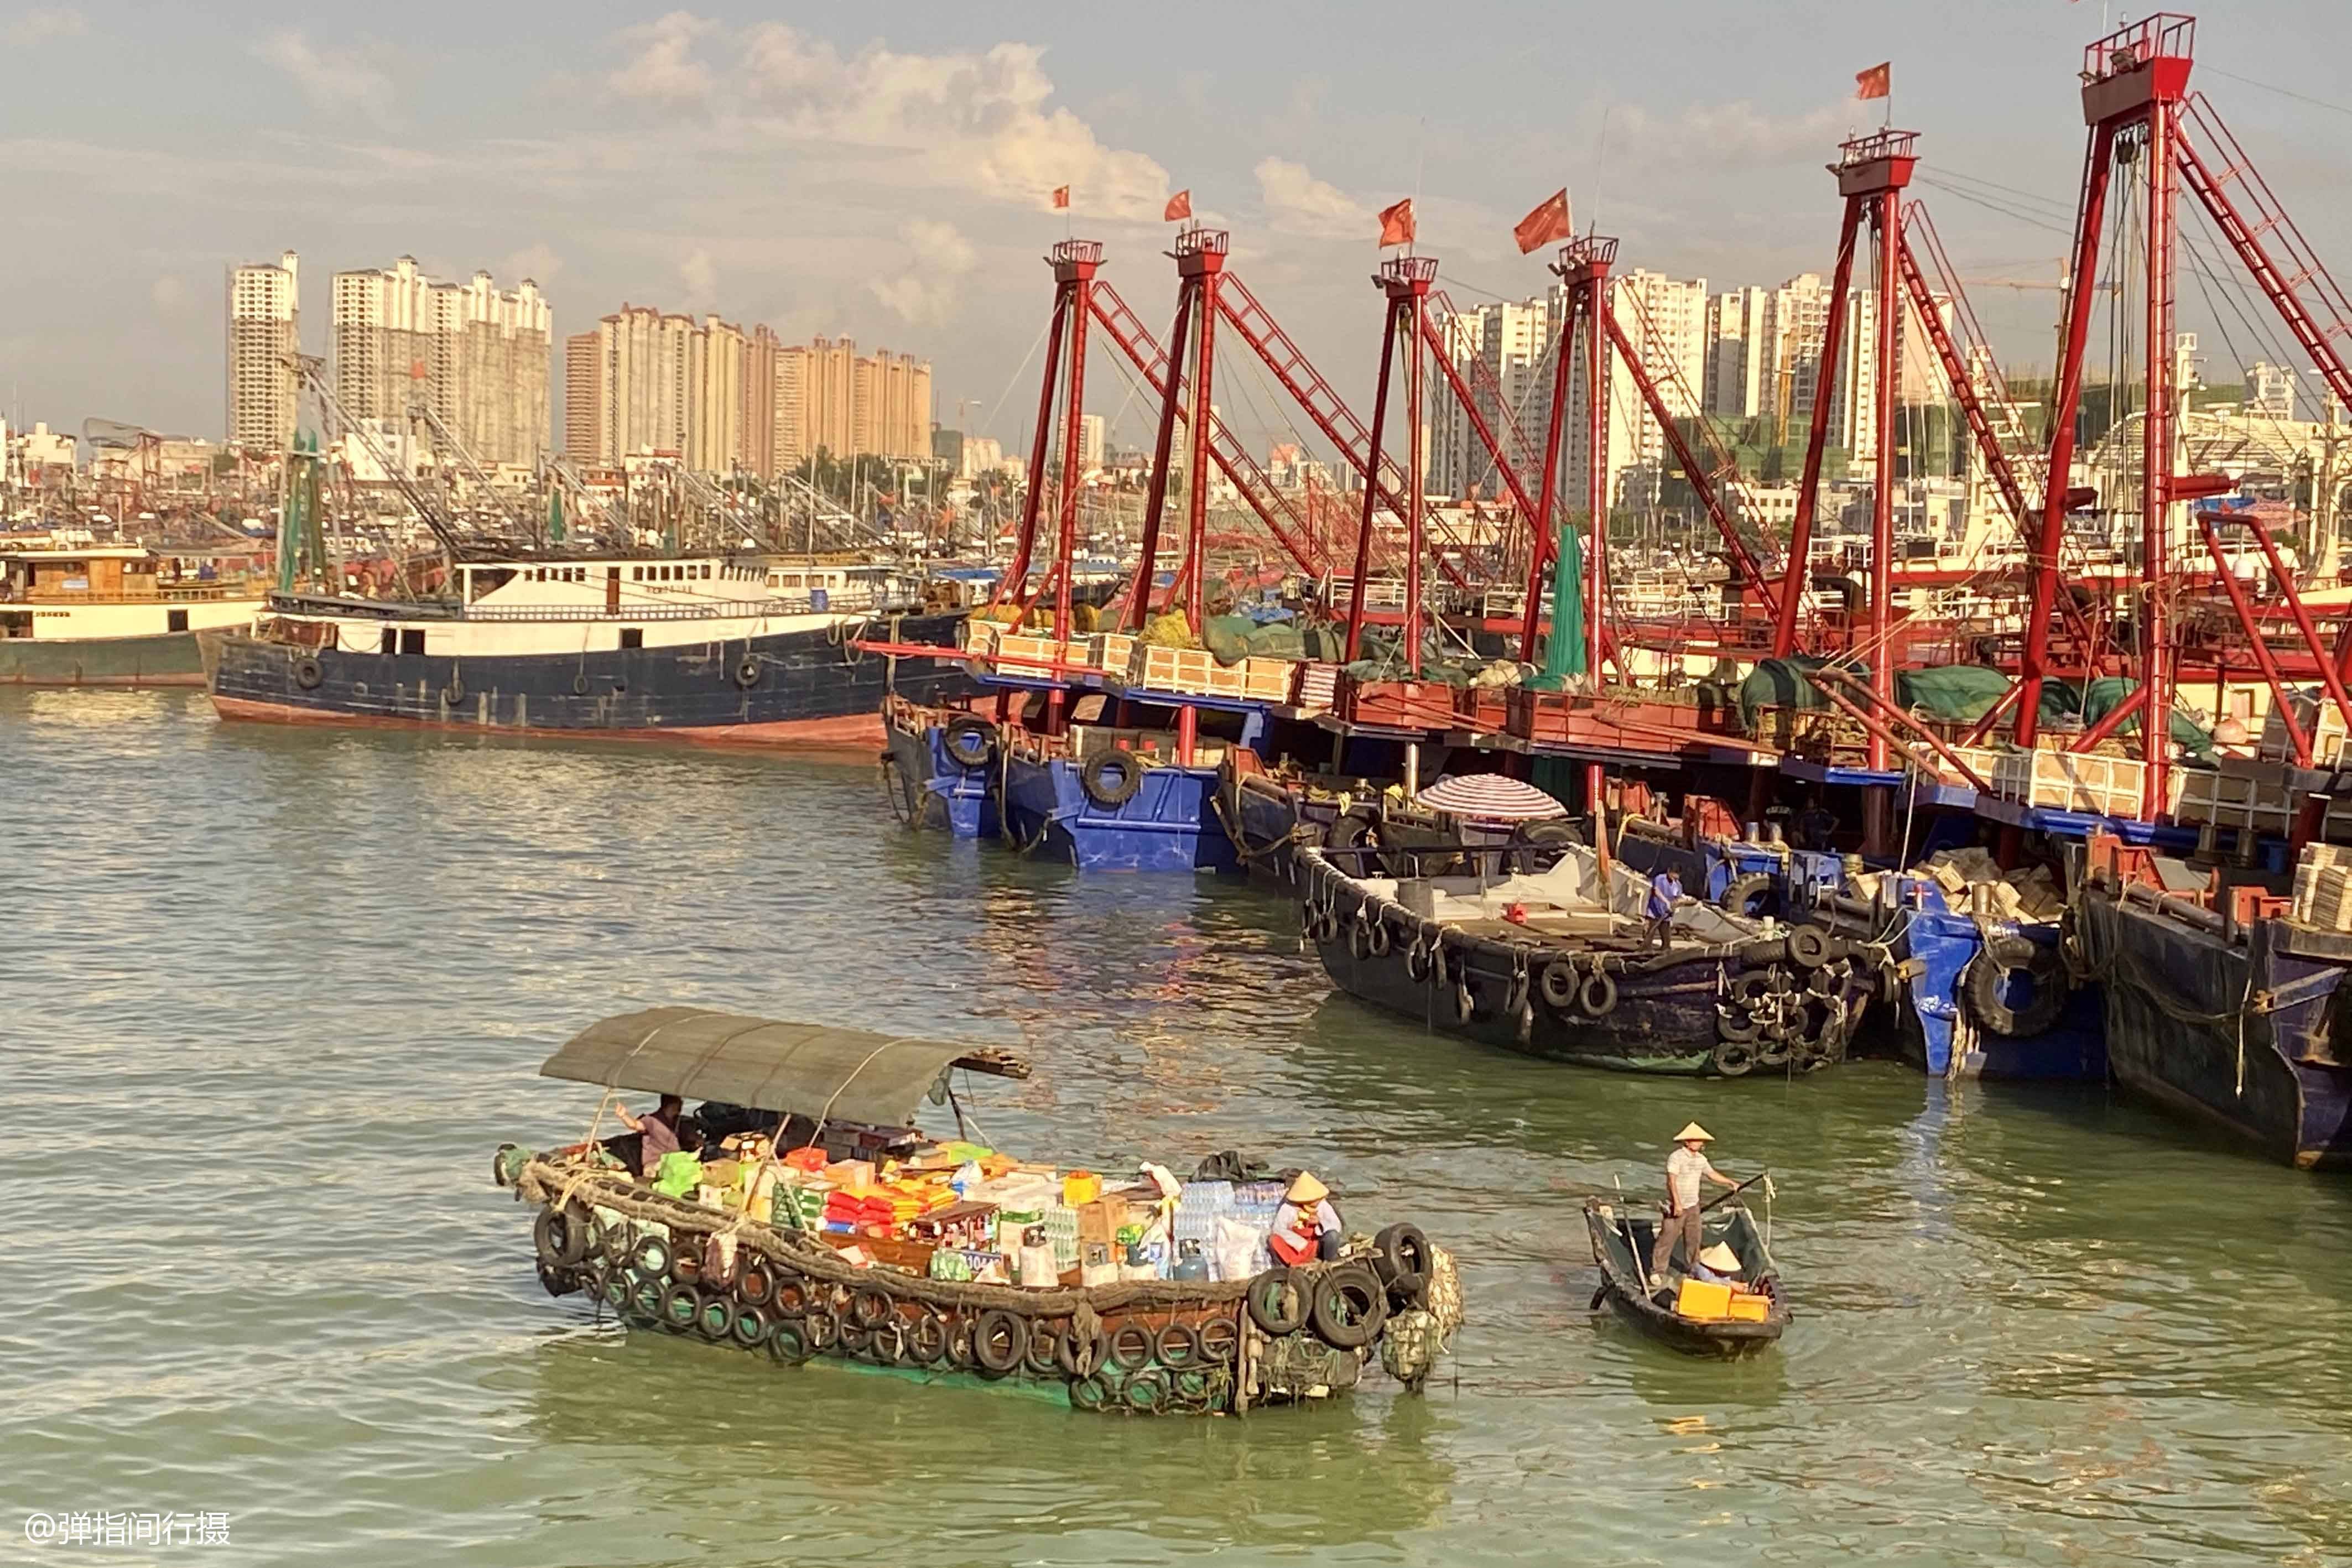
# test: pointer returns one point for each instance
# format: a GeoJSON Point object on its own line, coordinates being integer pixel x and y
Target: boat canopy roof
{"type": "Point", "coordinates": [817, 1071]}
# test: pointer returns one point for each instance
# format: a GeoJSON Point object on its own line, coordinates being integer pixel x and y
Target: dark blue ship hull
{"type": "Point", "coordinates": [807, 687]}
{"type": "Point", "coordinates": [1170, 824]}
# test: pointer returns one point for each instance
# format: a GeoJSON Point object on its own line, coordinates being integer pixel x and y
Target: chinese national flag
{"type": "Point", "coordinates": [1548, 223]}
{"type": "Point", "coordinates": [1061, 197]}
{"type": "Point", "coordinates": [1396, 223]}
{"type": "Point", "coordinates": [1180, 207]}
{"type": "Point", "coordinates": [1874, 82]}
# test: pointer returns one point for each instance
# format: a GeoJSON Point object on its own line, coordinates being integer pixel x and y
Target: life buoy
{"type": "Point", "coordinates": [1752, 895]}
{"type": "Point", "coordinates": [308, 673]}
{"type": "Point", "coordinates": [747, 672]}
{"type": "Point", "coordinates": [1597, 998]}
{"type": "Point", "coordinates": [969, 740]}
{"type": "Point", "coordinates": [1111, 778]}
{"type": "Point", "coordinates": [1985, 985]}
{"type": "Point", "coordinates": [1276, 1303]}
{"type": "Point", "coordinates": [1351, 1305]}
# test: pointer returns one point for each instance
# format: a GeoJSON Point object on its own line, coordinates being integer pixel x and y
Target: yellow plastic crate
{"type": "Point", "coordinates": [1749, 1309]}
{"type": "Point", "coordinates": [1704, 1301]}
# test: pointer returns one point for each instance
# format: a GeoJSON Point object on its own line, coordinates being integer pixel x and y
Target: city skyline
{"type": "Point", "coordinates": [828, 178]}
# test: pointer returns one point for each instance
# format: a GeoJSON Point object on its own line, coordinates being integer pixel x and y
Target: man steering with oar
{"type": "Point", "coordinates": [1686, 1168]}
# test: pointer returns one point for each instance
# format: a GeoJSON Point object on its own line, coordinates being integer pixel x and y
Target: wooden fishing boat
{"type": "Point", "coordinates": [1621, 1246]}
{"type": "Point", "coordinates": [778, 1268]}
{"type": "Point", "coordinates": [1531, 954]}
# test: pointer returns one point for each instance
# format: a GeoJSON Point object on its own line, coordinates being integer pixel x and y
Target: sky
{"type": "Point", "coordinates": [884, 172]}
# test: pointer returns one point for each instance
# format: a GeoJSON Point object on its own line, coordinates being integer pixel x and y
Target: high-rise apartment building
{"type": "Point", "coordinates": [723, 399]}
{"type": "Point", "coordinates": [1092, 432]}
{"type": "Point", "coordinates": [1735, 346]}
{"type": "Point", "coordinates": [475, 354]}
{"type": "Point", "coordinates": [1509, 341]}
{"type": "Point", "coordinates": [264, 336]}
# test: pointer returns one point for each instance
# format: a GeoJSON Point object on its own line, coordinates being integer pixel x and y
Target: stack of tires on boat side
{"type": "Point", "coordinates": [1143, 1347]}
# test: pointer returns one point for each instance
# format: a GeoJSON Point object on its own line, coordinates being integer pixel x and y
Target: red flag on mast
{"type": "Point", "coordinates": [1876, 81]}
{"type": "Point", "coordinates": [1548, 223]}
{"type": "Point", "coordinates": [1396, 223]}
{"type": "Point", "coordinates": [1061, 197]}
{"type": "Point", "coordinates": [1180, 207]}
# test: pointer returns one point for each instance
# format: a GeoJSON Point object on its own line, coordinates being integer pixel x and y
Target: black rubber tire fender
{"type": "Point", "coordinates": [1359, 936]}
{"type": "Point", "coordinates": [1125, 778]}
{"type": "Point", "coordinates": [1419, 964]}
{"type": "Point", "coordinates": [454, 691]}
{"type": "Point", "coordinates": [1278, 1304]}
{"type": "Point", "coordinates": [1558, 985]}
{"type": "Point", "coordinates": [750, 1326]}
{"type": "Point", "coordinates": [650, 1255]}
{"type": "Point", "coordinates": [1751, 987]}
{"type": "Point", "coordinates": [1381, 939]}
{"type": "Point", "coordinates": [714, 1320]}
{"type": "Point", "coordinates": [748, 671]}
{"type": "Point", "coordinates": [869, 1308]}
{"type": "Point", "coordinates": [928, 1338]}
{"type": "Point", "coordinates": [787, 1341]}
{"type": "Point", "coordinates": [1733, 1059]}
{"type": "Point", "coordinates": [561, 1236]}
{"type": "Point", "coordinates": [1177, 1345]}
{"type": "Point", "coordinates": [1407, 1291]}
{"type": "Point", "coordinates": [1772, 1053]}
{"type": "Point", "coordinates": [755, 1283]}
{"type": "Point", "coordinates": [1000, 1339]}
{"type": "Point", "coordinates": [1400, 1248]}
{"type": "Point", "coordinates": [1809, 947]}
{"type": "Point", "coordinates": [823, 1326]}
{"type": "Point", "coordinates": [1043, 1355]}
{"type": "Point", "coordinates": [790, 1297]}
{"type": "Point", "coordinates": [1982, 981]}
{"type": "Point", "coordinates": [499, 1165]}
{"type": "Point", "coordinates": [679, 1307]}
{"type": "Point", "coordinates": [1146, 1392]}
{"type": "Point", "coordinates": [1750, 895]}
{"type": "Point", "coordinates": [888, 1344]}
{"type": "Point", "coordinates": [1078, 1359]}
{"type": "Point", "coordinates": [1221, 1342]}
{"type": "Point", "coordinates": [1130, 1346]}
{"type": "Point", "coordinates": [953, 734]}
{"type": "Point", "coordinates": [308, 673]}
{"type": "Point", "coordinates": [1461, 1006]}
{"type": "Point", "coordinates": [1737, 1028]}
{"type": "Point", "coordinates": [1089, 1393]}
{"type": "Point", "coordinates": [578, 686]}
{"type": "Point", "coordinates": [1349, 1306]}
{"type": "Point", "coordinates": [1597, 998]}
{"type": "Point", "coordinates": [854, 1341]}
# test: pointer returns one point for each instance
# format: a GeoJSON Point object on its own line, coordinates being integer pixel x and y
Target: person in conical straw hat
{"type": "Point", "coordinates": [1687, 1168]}
{"type": "Point", "coordinates": [1305, 1226]}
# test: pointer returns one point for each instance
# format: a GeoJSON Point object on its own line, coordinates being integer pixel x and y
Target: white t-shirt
{"type": "Point", "coordinates": [1684, 1169]}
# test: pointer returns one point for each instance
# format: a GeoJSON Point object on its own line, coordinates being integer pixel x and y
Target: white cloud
{"type": "Point", "coordinates": [339, 80]}
{"type": "Point", "coordinates": [927, 293]}
{"type": "Point", "coordinates": [42, 23]}
{"type": "Point", "coordinates": [169, 293]}
{"type": "Point", "coordinates": [1297, 202]}
{"type": "Point", "coordinates": [664, 70]}
{"type": "Point", "coordinates": [699, 275]}
{"type": "Point", "coordinates": [1726, 135]}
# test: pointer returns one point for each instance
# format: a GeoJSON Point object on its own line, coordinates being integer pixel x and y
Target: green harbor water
{"type": "Point", "coordinates": [273, 995]}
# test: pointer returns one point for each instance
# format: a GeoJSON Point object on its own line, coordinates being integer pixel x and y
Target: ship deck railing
{"type": "Point", "coordinates": [706, 609]}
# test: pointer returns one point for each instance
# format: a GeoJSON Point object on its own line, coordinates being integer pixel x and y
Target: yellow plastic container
{"type": "Point", "coordinates": [1702, 1300]}
{"type": "Point", "coordinates": [1080, 1188]}
{"type": "Point", "coordinates": [1750, 1309]}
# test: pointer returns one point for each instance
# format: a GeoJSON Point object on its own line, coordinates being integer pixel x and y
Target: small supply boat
{"type": "Point", "coordinates": [1702, 1317]}
{"type": "Point", "coordinates": [824, 1226]}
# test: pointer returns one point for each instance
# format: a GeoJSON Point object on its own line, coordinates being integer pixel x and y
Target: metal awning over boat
{"type": "Point", "coordinates": [811, 1069]}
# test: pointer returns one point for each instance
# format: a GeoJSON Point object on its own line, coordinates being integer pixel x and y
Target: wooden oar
{"type": "Point", "coordinates": [1735, 1192]}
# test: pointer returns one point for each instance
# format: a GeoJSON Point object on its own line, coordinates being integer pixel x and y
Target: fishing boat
{"type": "Point", "coordinates": [1701, 1322]}
{"type": "Point", "coordinates": [110, 615]}
{"type": "Point", "coordinates": [1541, 948]}
{"type": "Point", "coordinates": [833, 1229]}
{"type": "Point", "coordinates": [2225, 998]}
{"type": "Point", "coordinates": [733, 650]}
{"type": "Point", "coordinates": [940, 767]}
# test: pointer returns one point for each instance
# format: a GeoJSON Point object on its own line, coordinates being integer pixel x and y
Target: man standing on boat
{"type": "Point", "coordinates": [1665, 892]}
{"type": "Point", "coordinates": [1686, 1168]}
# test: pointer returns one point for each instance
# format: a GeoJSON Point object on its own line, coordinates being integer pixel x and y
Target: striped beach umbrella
{"type": "Point", "coordinates": [1488, 797]}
